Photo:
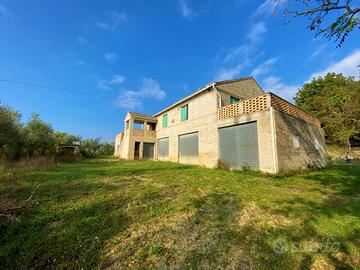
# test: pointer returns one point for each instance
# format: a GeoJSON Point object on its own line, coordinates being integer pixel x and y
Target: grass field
{"type": "Point", "coordinates": [106, 213]}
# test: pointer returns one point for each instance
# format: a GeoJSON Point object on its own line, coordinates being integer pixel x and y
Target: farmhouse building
{"type": "Point", "coordinates": [231, 124]}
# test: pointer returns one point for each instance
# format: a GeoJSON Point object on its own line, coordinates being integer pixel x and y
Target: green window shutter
{"type": "Point", "coordinates": [165, 120]}
{"type": "Point", "coordinates": [184, 113]}
{"type": "Point", "coordinates": [233, 100]}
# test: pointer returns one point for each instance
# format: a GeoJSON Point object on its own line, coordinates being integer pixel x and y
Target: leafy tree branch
{"type": "Point", "coordinates": [333, 19]}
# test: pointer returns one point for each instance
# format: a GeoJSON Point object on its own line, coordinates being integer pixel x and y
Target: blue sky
{"type": "Point", "coordinates": [148, 54]}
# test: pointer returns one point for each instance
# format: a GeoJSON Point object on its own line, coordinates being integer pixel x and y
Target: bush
{"type": "Point", "coordinates": [11, 140]}
{"type": "Point", "coordinates": [106, 149]}
{"type": "Point", "coordinates": [93, 148]}
{"type": "Point", "coordinates": [37, 139]}
{"type": "Point", "coordinates": [90, 147]}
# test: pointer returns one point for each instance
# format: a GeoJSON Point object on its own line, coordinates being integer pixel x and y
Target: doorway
{"type": "Point", "coordinates": [137, 150]}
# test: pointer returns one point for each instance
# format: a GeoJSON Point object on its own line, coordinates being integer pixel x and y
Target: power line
{"type": "Point", "coordinates": [91, 94]}
{"type": "Point", "coordinates": [55, 88]}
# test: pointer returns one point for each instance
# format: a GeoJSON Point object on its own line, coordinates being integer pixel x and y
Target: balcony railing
{"type": "Point", "coordinates": [143, 133]}
{"type": "Point", "coordinates": [264, 102]}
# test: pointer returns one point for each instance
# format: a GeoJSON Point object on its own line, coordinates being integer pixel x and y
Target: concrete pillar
{"type": "Point", "coordinates": [141, 151]}
{"type": "Point", "coordinates": [126, 126]}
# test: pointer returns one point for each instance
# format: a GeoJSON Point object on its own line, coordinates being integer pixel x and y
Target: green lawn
{"type": "Point", "coordinates": [106, 213]}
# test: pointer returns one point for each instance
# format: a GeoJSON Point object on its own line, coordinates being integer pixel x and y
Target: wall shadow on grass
{"type": "Point", "coordinates": [73, 221]}
{"type": "Point", "coordinates": [209, 238]}
{"type": "Point", "coordinates": [343, 179]}
{"type": "Point", "coordinates": [330, 217]}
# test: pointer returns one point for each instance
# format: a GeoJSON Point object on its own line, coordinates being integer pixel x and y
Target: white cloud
{"type": "Point", "coordinates": [268, 7]}
{"type": "Point", "coordinates": [4, 10]}
{"type": "Point", "coordinates": [257, 31]}
{"type": "Point", "coordinates": [114, 19]}
{"type": "Point", "coordinates": [117, 18]}
{"type": "Point", "coordinates": [240, 52]}
{"type": "Point", "coordinates": [103, 26]}
{"type": "Point", "coordinates": [275, 85]}
{"type": "Point", "coordinates": [80, 63]}
{"type": "Point", "coordinates": [149, 88]}
{"type": "Point", "coordinates": [128, 100]}
{"type": "Point", "coordinates": [318, 50]}
{"type": "Point", "coordinates": [229, 73]}
{"type": "Point", "coordinates": [348, 66]}
{"type": "Point", "coordinates": [185, 87]}
{"type": "Point", "coordinates": [82, 40]}
{"type": "Point", "coordinates": [240, 57]}
{"type": "Point", "coordinates": [264, 67]}
{"type": "Point", "coordinates": [111, 57]}
{"type": "Point", "coordinates": [185, 8]}
{"type": "Point", "coordinates": [108, 84]}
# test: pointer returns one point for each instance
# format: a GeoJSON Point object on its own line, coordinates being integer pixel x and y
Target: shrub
{"type": "Point", "coordinates": [10, 134]}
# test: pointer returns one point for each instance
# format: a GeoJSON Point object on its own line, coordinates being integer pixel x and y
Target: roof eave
{"type": "Point", "coordinates": [185, 99]}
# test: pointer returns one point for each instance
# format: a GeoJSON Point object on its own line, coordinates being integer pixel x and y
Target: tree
{"type": "Point", "coordinates": [10, 133]}
{"type": "Point", "coordinates": [106, 148]}
{"type": "Point", "coordinates": [65, 138]}
{"type": "Point", "coordinates": [90, 147]}
{"type": "Point", "coordinates": [335, 100]}
{"type": "Point", "coordinates": [331, 18]}
{"type": "Point", "coordinates": [39, 137]}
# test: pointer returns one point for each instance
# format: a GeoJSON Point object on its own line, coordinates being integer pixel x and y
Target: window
{"type": "Point", "coordinates": [233, 100]}
{"type": "Point", "coordinates": [165, 120]}
{"type": "Point", "coordinates": [184, 113]}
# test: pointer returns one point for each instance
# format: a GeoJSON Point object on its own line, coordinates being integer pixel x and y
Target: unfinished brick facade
{"type": "Point", "coordinates": [261, 130]}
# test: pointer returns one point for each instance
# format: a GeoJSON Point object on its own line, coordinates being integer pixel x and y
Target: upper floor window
{"type": "Point", "coordinates": [184, 113]}
{"type": "Point", "coordinates": [165, 120]}
{"type": "Point", "coordinates": [233, 100]}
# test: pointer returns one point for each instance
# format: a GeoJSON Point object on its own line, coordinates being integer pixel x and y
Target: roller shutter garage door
{"type": "Point", "coordinates": [189, 148]}
{"type": "Point", "coordinates": [238, 146]}
{"type": "Point", "coordinates": [163, 149]}
{"type": "Point", "coordinates": [148, 151]}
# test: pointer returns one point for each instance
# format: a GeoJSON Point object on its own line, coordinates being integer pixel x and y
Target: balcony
{"type": "Point", "coordinates": [264, 102]}
{"type": "Point", "coordinates": [143, 133]}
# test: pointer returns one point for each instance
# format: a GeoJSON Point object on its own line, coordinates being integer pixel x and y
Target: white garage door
{"type": "Point", "coordinates": [189, 148]}
{"type": "Point", "coordinates": [163, 149]}
{"type": "Point", "coordinates": [238, 146]}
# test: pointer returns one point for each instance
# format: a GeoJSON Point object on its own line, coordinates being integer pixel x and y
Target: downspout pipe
{"type": "Point", "coordinates": [213, 85]}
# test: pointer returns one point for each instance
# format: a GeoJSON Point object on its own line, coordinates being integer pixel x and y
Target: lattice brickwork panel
{"type": "Point", "coordinates": [286, 107]}
{"type": "Point", "coordinates": [229, 111]}
{"type": "Point", "coordinates": [259, 103]}
{"type": "Point", "coordinates": [246, 106]}
{"type": "Point", "coordinates": [264, 102]}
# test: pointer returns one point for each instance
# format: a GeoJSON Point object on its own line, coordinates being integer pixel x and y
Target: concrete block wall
{"type": "Point", "coordinates": [266, 143]}
{"type": "Point", "coordinates": [202, 111]}
{"type": "Point", "coordinates": [285, 142]}
{"type": "Point", "coordinates": [245, 89]}
{"type": "Point", "coordinates": [299, 144]}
